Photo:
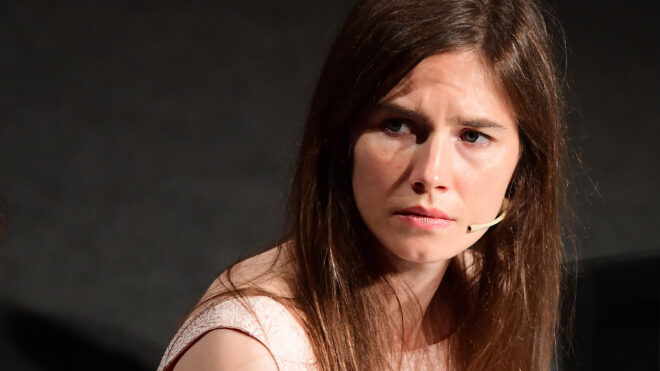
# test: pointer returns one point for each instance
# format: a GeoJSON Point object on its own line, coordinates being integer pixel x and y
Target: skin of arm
{"type": "Point", "coordinates": [226, 349]}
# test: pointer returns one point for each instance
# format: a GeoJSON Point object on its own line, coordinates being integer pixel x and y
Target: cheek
{"type": "Point", "coordinates": [482, 184]}
{"type": "Point", "coordinates": [376, 165]}
{"type": "Point", "coordinates": [480, 189]}
{"type": "Point", "coordinates": [377, 170]}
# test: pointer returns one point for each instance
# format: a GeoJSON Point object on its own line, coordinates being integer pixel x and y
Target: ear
{"type": "Point", "coordinates": [505, 204]}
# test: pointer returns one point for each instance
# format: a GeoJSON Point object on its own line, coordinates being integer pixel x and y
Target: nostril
{"type": "Point", "coordinates": [418, 187]}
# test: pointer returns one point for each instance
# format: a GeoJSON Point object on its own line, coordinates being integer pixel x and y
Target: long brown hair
{"type": "Point", "coordinates": [503, 317]}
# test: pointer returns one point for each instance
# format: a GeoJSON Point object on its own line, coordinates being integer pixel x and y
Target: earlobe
{"type": "Point", "coordinates": [506, 206]}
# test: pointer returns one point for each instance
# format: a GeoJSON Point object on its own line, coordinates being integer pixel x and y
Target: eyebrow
{"type": "Point", "coordinates": [476, 123]}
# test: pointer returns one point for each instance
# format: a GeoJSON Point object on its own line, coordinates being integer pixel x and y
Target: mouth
{"type": "Point", "coordinates": [424, 218]}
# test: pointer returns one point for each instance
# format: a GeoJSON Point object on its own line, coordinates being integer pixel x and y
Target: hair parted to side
{"type": "Point", "coordinates": [504, 316]}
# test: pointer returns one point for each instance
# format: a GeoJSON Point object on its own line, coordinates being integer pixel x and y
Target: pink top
{"type": "Point", "coordinates": [276, 328]}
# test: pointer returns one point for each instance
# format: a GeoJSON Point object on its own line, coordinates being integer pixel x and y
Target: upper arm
{"type": "Point", "coordinates": [226, 349]}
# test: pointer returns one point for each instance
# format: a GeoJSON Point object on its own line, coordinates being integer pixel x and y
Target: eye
{"type": "Point", "coordinates": [396, 126]}
{"type": "Point", "coordinates": [473, 136]}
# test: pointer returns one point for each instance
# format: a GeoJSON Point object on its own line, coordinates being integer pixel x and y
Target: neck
{"type": "Point", "coordinates": [418, 285]}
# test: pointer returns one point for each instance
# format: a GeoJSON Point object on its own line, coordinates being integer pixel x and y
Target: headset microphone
{"type": "Point", "coordinates": [478, 227]}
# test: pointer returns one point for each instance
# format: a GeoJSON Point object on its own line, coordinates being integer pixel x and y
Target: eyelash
{"type": "Point", "coordinates": [482, 135]}
{"type": "Point", "coordinates": [386, 128]}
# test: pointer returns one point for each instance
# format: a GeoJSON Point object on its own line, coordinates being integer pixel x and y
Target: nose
{"type": "Point", "coordinates": [432, 166]}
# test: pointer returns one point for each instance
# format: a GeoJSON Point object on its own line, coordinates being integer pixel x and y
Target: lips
{"type": "Point", "coordinates": [420, 217]}
{"type": "Point", "coordinates": [423, 212]}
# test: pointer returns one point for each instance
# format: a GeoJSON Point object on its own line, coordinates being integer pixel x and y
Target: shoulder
{"type": "Point", "coordinates": [226, 349]}
{"type": "Point", "coordinates": [254, 330]}
{"type": "Point", "coordinates": [270, 272]}
{"type": "Point", "coordinates": [260, 328]}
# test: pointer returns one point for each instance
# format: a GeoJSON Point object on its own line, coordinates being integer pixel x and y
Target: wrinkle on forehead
{"type": "Point", "coordinates": [485, 73]}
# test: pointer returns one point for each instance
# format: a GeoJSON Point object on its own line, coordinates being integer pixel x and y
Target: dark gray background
{"type": "Point", "coordinates": [146, 145]}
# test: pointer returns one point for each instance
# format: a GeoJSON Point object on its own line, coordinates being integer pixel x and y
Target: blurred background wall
{"type": "Point", "coordinates": [146, 145]}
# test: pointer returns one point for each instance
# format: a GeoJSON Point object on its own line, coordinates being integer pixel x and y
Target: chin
{"type": "Point", "coordinates": [425, 254]}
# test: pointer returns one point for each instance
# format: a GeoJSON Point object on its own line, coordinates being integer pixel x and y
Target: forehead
{"type": "Point", "coordinates": [460, 75]}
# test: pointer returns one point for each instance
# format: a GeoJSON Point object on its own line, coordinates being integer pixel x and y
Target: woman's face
{"type": "Point", "coordinates": [434, 156]}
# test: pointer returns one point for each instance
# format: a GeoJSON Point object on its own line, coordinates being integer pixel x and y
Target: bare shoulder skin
{"type": "Point", "coordinates": [269, 271]}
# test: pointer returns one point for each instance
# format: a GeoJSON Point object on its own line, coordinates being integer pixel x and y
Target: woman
{"type": "Point", "coordinates": [432, 122]}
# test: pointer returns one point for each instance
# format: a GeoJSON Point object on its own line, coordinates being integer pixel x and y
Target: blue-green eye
{"type": "Point", "coordinates": [473, 136]}
{"type": "Point", "coordinates": [396, 126]}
